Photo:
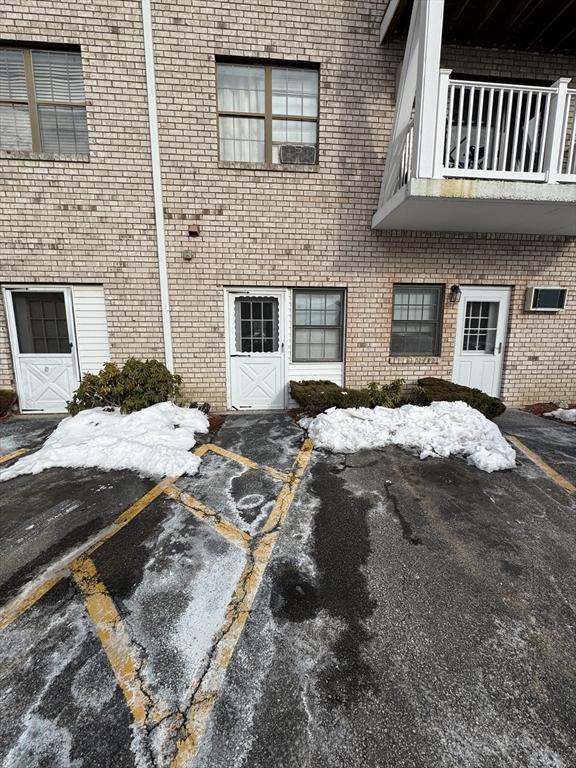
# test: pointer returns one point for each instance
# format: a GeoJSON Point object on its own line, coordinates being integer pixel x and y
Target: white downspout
{"type": "Point", "coordinates": [157, 183]}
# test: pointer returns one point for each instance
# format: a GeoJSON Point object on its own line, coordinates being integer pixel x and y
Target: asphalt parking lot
{"type": "Point", "coordinates": [287, 608]}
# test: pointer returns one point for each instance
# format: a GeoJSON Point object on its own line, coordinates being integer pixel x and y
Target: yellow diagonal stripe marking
{"type": "Point", "coordinates": [115, 640]}
{"type": "Point", "coordinates": [13, 455]}
{"type": "Point", "coordinates": [224, 527]}
{"type": "Point", "coordinates": [247, 462]}
{"type": "Point", "coordinates": [237, 614]}
{"type": "Point", "coordinates": [22, 603]}
{"type": "Point", "coordinates": [544, 466]}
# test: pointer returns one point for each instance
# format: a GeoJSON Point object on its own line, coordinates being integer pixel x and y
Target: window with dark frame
{"type": "Point", "coordinates": [262, 107]}
{"type": "Point", "coordinates": [42, 102]}
{"type": "Point", "coordinates": [318, 326]}
{"type": "Point", "coordinates": [416, 320]}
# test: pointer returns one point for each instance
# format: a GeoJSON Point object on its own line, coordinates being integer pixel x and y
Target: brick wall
{"type": "Point", "coordinates": [260, 227]}
{"type": "Point", "coordinates": [65, 221]}
{"type": "Point", "coordinates": [277, 227]}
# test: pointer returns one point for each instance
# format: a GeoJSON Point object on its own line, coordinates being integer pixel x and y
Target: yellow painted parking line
{"type": "Point", "coordinates": [224, 527]}
{"type": "Point", "coordinates": [13, 455]}
{"type": "Point", "coordinates": [544, 466]}
{"type": "Point", "coordinates": [276, 473]}
{"type": "Point", "coordinates": [22, 603]}
{"type": "Point", "coordinates": [237, 614]}
{"type": "Point", "coordinates": [115, 640]}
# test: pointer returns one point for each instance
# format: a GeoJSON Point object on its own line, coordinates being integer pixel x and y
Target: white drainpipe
{"type": "Point", "coordinates": [157, 183]}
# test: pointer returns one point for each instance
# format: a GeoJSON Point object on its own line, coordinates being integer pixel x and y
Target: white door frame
{"type": "Point", "coordinates": [7, 291]}
{"type": "Point", "coordinates": [283, 295]}
{"type": "Point", "coordinates": [500, 293]}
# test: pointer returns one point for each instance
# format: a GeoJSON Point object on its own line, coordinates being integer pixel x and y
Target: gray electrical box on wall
{"type": "Point", "coordinates": [545, 299]}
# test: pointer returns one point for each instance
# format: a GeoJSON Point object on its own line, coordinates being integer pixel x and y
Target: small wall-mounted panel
{"type": "Point", "coordinates": [545, 299]}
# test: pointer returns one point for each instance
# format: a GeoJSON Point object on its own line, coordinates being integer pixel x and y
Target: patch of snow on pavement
{"type": "Point", "coordinates": [564, 414]}
{"type": "Point", "coordinates": [441, 429]}
{"type": "Point", "coordinates": [154, 442]}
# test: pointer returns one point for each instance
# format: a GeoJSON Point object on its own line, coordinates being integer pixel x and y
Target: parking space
{"type": "Point", "coordinates": [290, 608]}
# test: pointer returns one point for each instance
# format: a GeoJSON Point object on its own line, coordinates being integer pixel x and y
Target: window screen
{"type": "Point", "coordinates": [41, 323]}
{"type": "Point", "coordinates": [256, 321]}
{"type": "Point", "coordinates": [318, 326]}
{"type": "Point", "coordinates": [416, 320]}
{"type": "Point", "coordinates": [261, 107]}
{"type": "Point", "coordinates": [42, 102]}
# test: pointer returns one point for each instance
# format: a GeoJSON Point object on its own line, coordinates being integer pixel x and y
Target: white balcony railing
{"type": "Point", "coordinates": [567, 167]}
{"type": "Point", "coordinates": [496, 131]}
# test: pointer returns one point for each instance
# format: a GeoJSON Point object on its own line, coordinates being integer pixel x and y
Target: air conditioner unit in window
{"type": "Point", "coordinates": [297, 154]}
{"type": "Point", "coordinates": [545, 299]}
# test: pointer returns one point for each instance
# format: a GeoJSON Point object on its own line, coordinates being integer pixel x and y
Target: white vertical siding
{"type": "Point", "coordinates": [91, 327]}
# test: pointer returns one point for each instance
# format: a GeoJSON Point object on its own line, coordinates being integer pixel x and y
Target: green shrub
{"type": "Point", "coordinates": [316, 396]}
{"type": "Point", "coordinates": [7, 400]}
{"type": "Point", "coordinates": [438, 389]}
{"type": "Point", "coordinates": [138, 384]}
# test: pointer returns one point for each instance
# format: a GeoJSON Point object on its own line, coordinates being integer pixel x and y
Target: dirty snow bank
{"type": "Point", "coordinates": [440, 429]}
{"type": "Point", "coordinates": [154, 442]}
{"type": "Point", "coordinates": [564, 414]}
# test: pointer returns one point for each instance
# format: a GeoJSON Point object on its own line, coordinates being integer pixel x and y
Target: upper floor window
{"type": "Point", "coordinates": [267, 113]}
{"type": "Point", "coordinates": [42, 105]}
{"type": "Point", "coordinates": [416, 315]}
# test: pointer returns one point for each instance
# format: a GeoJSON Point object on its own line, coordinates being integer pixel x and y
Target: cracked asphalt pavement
{"type": "Point", "coordinates": [412, 614]}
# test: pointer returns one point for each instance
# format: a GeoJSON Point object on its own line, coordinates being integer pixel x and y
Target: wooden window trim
{"type": "Point", "coordinates": [31, 101]}
{"type": "Point", "coordinates": [268, 116]}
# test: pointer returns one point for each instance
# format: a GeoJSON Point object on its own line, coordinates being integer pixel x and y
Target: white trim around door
{"type": "Point", "coordinates": [256, 348]}
{"type": "Point", "coordinates": [43, 344]}
{"type": "Point", "coordinates": [481, 337]}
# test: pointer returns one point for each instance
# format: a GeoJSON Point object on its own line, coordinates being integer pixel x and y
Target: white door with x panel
{"type": "Point", "coordinates": [41, 326]}
{"type": "Point", "coordinates": [256, 349]}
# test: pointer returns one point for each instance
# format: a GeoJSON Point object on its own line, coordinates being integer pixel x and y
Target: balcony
{"type": "Point", "coordinates": [476, 156]}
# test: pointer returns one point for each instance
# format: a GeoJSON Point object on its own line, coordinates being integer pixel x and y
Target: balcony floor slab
{"type": "Point", "coordinates": [478, 205]}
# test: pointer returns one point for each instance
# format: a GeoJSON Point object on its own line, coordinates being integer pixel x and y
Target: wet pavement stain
{"type": "Point", "coordinates": [293, 597]}
{"type": "Point", "coordinates": [340, 550]}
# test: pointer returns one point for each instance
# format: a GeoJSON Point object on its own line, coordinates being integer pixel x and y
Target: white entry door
{"type": "Point", "coordinates": [41, 328]}
{"type": "Point", "coordinates": [256, 348]}
{"type": "Point", "coordinates": [481, 338]}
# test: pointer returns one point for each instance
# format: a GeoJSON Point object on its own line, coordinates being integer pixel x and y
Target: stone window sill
{"type": "Point", "coordinates": [267, 167]}
{"type": "Point", "coordinates": [8, 154]}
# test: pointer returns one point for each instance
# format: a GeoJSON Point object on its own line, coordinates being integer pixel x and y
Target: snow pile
{"type": "Point", "coordinates": [154, 442]}
{"type": "Point", "coordinates": [440, 429]}
{"type": "Point", "coordinates": [564, 414]}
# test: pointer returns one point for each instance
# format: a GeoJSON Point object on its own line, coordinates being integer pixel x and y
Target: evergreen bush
{"type": "Point", "coordinates": [438, 389]}
{"type": "Point", "coordinates": [136, 385]}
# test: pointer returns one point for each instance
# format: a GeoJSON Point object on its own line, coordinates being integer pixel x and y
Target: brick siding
{"type": "Point", "coordinates": [94, 221]}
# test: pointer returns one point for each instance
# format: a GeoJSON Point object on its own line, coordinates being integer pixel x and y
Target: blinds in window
{"type": "Point", "coordinates": [12, 75]}
{"type": "Point", "coordinates": [59, 92]}
{"type": "Point", "coordinates": [58, 76]}
{"type": "Point", "coordinates": [15, 130]}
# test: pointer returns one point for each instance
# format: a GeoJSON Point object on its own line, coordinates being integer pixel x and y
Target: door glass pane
{"type": "Point", "coordinates": [41, 323]}
{"type": "Point", "coordinates": [480, 326]}
{"type": "Point", "coordinates": [256, 323]}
